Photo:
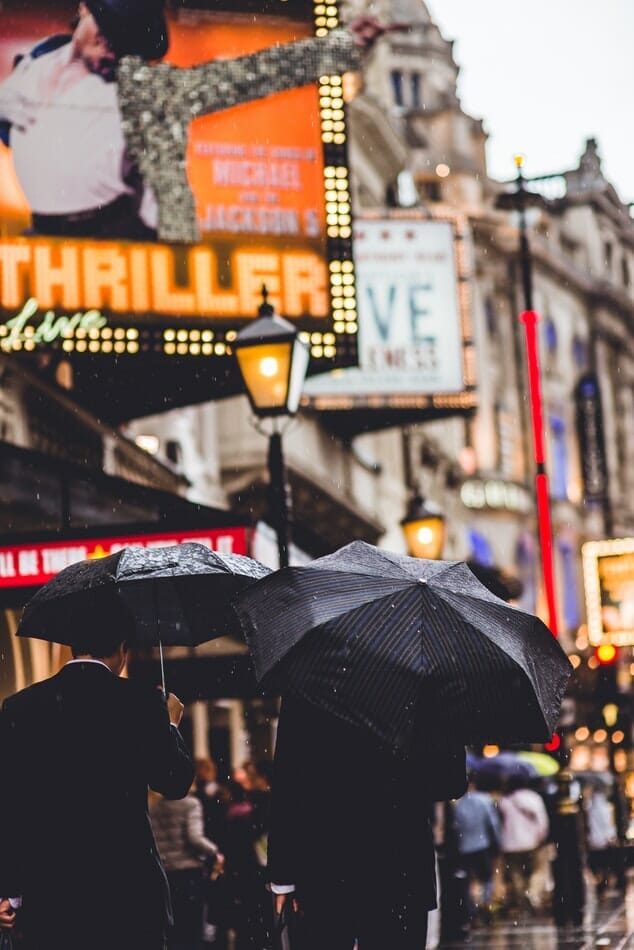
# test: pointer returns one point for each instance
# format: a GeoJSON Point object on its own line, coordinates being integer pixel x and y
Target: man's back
{"type": "Point", "coordinates": [342, 803]}
{"type": "Point", "coordinates": [81, 750]}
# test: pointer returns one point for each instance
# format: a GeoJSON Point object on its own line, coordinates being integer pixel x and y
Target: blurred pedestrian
{"type": "Point", "coordinates": [214, 798]}
{"type": "Point", "coordinates": [250, 914]}
{"type": "Point", "coordinates": [601, 835]}
{"type": "Point", "coordinates": [77, 845]}
{"type": "Point", "coordinates": [189, 859]}
{"type": "Point", "coordinates": [356, 856]}
{"type": "Point", "coordinates": [478, 832]}
{"type": "Point", "coordinates": [524, 830]}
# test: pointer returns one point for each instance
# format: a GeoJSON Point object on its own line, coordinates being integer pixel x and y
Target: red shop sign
{"type": "Point", "coordinates": [29, 565]}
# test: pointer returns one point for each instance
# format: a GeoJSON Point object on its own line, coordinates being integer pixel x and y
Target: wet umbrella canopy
{"type": "Point", "coordinates": [387, 642]}
{"type": "Point", "coordinates": [502, 766]}
{"type": "Point", "coordinates": [179, 595]}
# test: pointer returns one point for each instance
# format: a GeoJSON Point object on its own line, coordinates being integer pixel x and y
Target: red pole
{"type": "Point", "coordinates": [529, 318]}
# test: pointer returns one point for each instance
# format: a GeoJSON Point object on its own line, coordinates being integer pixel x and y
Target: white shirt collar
{"type": "Point", "coordinates": [100, 662]}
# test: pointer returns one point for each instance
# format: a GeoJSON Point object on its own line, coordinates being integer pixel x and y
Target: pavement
{"type": "Point", "coordinates": [608, 923]}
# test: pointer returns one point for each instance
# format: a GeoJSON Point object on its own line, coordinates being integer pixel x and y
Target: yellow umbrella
{"type": "Point", "coordinates": [545, 764]}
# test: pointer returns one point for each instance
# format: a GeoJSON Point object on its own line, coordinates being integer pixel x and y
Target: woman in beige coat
{"type": "Point", "coordinates": [188, 856]}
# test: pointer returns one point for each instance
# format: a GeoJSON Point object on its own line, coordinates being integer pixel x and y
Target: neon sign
{"type": "Point", "coordinates": [19, 330]}
{"type": "Point", "coordinates": [33, 564]}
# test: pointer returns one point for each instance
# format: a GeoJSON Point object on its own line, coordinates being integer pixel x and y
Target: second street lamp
{"type": "Point", "coordinates": [273, 362]}
{"type": "Point", "coordinates": [424, 529]}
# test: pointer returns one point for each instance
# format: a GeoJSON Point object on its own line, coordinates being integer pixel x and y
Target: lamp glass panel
{"type": "Point", "coordinates": [424, 538]}
{"type": "Point", "coordinates": [299, 365]}
{"type": "Point", "coordinates": [265, 370]}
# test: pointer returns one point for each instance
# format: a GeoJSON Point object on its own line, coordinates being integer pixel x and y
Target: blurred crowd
{"type": "Point", "coordinates": [517, 847]}
{"type": "Point", "coordinates": [502, 846]}
{"type": "Point", "coordinates": [213, 844]}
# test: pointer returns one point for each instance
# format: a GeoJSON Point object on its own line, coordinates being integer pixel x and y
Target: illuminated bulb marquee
{"type": "Point", "coordinates": [271, 193]}
{"type": "Point", "coordinates": [608, 574]}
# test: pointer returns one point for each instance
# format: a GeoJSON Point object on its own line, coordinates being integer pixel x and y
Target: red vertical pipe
{"type": "Point", "coordinates": [529, 318]}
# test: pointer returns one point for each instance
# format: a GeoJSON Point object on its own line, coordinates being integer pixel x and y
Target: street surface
{"type": "Point", "coordinates": [608, 924]}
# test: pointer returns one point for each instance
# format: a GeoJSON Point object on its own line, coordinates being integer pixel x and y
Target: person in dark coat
{"type": "Point", "coordinates": [79, 752]}
{"type": "Point", "coordinates": [350, 839]}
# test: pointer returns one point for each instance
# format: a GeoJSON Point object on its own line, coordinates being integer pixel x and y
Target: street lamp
{"type": "Point", "coordinates": [529, 317]}
{"type": "Point", "coordinates": [424, 528]}
{"type": "Point", "coordinates": [273, 361]}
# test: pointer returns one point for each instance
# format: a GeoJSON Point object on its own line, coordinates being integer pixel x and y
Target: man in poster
{"type": "Point", "coordinates": [60, 103]}
{"type": "Point", "coordinates": [99, 135]}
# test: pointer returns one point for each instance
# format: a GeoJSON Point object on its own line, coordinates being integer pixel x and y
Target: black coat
{"type": "Point", "coordinates": [345, 810]}
{"type": "Point", "coordinates": [79, 752]}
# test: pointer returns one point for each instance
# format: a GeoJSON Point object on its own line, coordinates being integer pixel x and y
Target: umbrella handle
{"type": "Point", "coordinates": [162, 669]}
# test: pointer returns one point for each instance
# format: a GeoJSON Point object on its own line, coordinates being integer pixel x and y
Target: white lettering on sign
{"type": "Point", "coordinates": [28, 564]}
{"type": "Point", "coordinates": [56, 559]}
{"type": "Point", "coordinates": [19, 329]}
{"type": "Point", "coordinates": [7, 565]}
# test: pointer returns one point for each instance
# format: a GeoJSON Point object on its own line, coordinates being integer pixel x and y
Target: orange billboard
{"type": "Point", "coordinates": [134, 226]}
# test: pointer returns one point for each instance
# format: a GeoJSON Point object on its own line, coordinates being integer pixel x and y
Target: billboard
{"type": "Point", "coordinates": [608, 573]}
{"type": "Point", "coordinates": [415, 347]}
{"type": "Point", "coordinates": [143, 206]}
{"type": "Point", "coordinates": [29, 565]}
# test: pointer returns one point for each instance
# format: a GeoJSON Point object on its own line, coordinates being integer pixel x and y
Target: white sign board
{"type": "Point", "coordinates": [410, 327]}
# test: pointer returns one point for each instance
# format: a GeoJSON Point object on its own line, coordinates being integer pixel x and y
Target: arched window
{"type": "Point", "coordinates": [397, 86]}
{"type": "Point", "coordinates": [415, 90]}
{"type": "Point", "coordinates": [559, 481]}
{"type": "Point", "coordinates": [550, 335]}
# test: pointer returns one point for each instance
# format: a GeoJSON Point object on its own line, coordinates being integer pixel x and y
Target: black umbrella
{"type": "Point", "coordinates": [178, 595]}
{"type": "Point", "coordinates": [382, 640]}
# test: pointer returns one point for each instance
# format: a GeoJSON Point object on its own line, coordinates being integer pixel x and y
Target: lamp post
{"type": "Point", "coordinates": [529, 318]}
{"type": "Point", "coordinates": [273, 361]}
{"type": "Point", "coordinates": [424, 528]}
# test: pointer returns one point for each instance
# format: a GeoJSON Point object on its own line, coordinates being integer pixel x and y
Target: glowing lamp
{"type": "Point", "coordinates": [606, 654]}
{"type": "Point", "coordinates": [273, 362]}
{"type": "Point", "coordinates": [424, 529]}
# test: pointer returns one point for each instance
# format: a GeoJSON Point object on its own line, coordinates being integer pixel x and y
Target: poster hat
{"type": "Point", "coordinates": [132, 27]}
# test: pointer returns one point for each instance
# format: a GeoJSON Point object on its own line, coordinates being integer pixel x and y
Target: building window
{"type": "Point", "coordinates": [397, 87]}
{"type": "Point", "coordinates": [550, 335]}
{"type": "Point", "coordinates": [480, 549]}
{"type": "Point", "coordinates": [490, 315]}
{"type": "Point", "coordinates": [174, 451]}
{"type": "Point", "coordinates": [431, 190]}
{"type": "Point", "coordinates": [526, 561]}
{"type": "Point", "coordinates": [572, 616]}
{"type": "Point", "coordinates": [625, 272]}
{"type": "Point", "coordinates": [559, 485]}
{"type": "Point", "coordinates": [607, 255]}
{"type": "Point", "coordinates": [415, 89]}
{"type": "Point", "coordinates": [579, 352]}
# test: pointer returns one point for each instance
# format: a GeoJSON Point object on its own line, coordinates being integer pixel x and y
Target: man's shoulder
{"type": "Point", "coordinates": [31, 696]}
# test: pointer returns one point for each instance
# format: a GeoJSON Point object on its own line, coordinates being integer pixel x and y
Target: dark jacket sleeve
{"type": "Point", "coordinates": [10, 871]}
{"type": "Point", "coordinates": [286, 797]}
{"type": "Point", "coordinates": [169, 767]}
{"type": "Point", "coordinates": [447, 772]}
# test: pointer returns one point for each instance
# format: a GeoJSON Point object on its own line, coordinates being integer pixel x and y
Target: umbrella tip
{"type": "Point", "coordinates": [422, 580]}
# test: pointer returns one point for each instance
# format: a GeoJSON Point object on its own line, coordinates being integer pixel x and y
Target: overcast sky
{"type": "Point", "coordinates": [545, 76]}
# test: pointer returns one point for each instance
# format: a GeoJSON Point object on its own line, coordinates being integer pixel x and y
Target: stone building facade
{"type": "Point", "coordinates": [412, 145]}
